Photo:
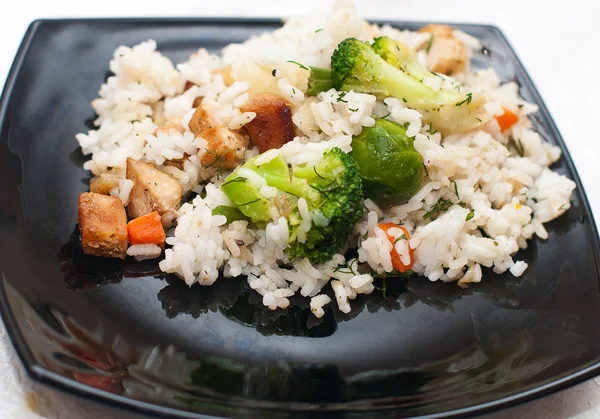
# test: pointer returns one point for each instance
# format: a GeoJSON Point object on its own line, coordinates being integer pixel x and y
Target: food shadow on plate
{"type": "Point", "coordinates": [235, 300]}
{"type": "Point", "coordinates": [82, 272]}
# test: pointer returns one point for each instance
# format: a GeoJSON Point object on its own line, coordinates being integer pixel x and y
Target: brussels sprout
{"type": "Point", "coordinates": [391, 169]}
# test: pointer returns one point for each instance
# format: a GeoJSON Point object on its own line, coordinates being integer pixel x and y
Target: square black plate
{"type": "Point", "coordinates": [104, 330]}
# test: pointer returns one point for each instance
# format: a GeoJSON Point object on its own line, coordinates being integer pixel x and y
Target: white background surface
{"type": "Point", "coordinates": [558, 45]}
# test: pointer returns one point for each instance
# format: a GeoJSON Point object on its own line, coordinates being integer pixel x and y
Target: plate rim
{"type": "Point", "coordinates": [40, 375]}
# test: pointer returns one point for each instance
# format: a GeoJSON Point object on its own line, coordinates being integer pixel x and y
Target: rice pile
{"type": "Point", "coordinates": [485, 195]}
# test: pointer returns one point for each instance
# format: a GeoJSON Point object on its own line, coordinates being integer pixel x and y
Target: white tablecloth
{"type": "Point", "coordinates": [557, 45]}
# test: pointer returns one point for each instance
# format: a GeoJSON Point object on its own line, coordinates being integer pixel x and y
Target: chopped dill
{"type": "Point", "coordinates": [298, 64]}
{"type": "Point", "coordinates": [383, 287]}
{"type": "Point", "coordinates": [249, 202]}
{"type": "Point", "coordinates": [518, 146]}
{"type": "Point", "coordinates": [431, 130]}
{"type": "Point", "coordinates": [317, 173]}
{"type": "Point", "coordinates": [217, 163]}
{"type": "Point", "coordinates": [429, 44]}
{"type": "Point", "coordinates": [440, 206]}
{"type": "Point", "coordinates": [402, 237]}
{"type": "Point", "coordinates": [340, 97]}
{"type": "Point", "coordinates": [237, 179]}
{"type": "Point", "coordinates": [348, 266]}
{"type": "Point", "coordinates": [456, 190]}
{"type": "Point", "coordinates": [467, 100]}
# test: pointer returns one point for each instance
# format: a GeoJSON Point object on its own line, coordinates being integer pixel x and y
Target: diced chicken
{"type": "Point", "coordinates": [438, 31]}
{"type": "Point", "coordinates": [103, 183]}
{"type": "Point", "coordinates": [103, 225]}
{"type": "Point", "coordinates": [272, 127]}
{"type": "Point", "coordinates": [447, 54]}
{"type": "Point", "coordinates": [173, 123]}
{"type": "Point", "coordinates": [152, 190]}
{"type": "Point", "coordinates": [178, 164]}
{"type": "Point", "coordinates": [225, 148]}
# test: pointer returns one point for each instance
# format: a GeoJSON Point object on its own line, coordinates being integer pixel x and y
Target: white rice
{"type": "Point", "coordinates": [144, 251]}
{"type": "Point", "coordinates": [497, 188]}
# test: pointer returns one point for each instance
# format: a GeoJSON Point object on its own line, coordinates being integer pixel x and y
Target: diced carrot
{"type": "Point", "coordinates": [507, 119]}
{"type": "Point", "coordinates": [396, 261]}
{"type": "Point", "coordinates": [146, 229]}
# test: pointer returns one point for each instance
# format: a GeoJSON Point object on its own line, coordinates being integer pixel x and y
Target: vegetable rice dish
{"type": "Point", "coordinates": [330, 151]}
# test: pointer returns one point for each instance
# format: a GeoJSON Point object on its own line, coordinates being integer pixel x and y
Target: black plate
{"type": "Point", "coordinates": [108, 330]}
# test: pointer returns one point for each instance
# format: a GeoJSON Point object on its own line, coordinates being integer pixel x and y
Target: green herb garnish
{"type": "Point", "coordinates": [429, 44]}
{"type": "Point", "coordinates": [440, 206]}
{"type": "Point", "coordinates": [402, 237]}
{"type": "Point", "coordinates": [518, 146]}
{"type": "Point", "coordinates": [467, 100]}
{"type": "Point", "coordinates": [298, 64]}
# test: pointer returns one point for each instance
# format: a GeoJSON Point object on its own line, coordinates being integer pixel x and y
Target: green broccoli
{"type": "Point", "coordinates": [318, 81]}
{"type": "Point", "coordinates": [332, 189]}
{"type": "Point", "coordinates": [400, 56]}
{"type": "Point", "coordinates": [356, 66]}
{"type": "Point", "coordinates": [231, 213]}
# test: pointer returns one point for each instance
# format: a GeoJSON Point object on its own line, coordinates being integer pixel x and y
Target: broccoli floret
{"type": "Point", "coordinates": [231, 213]}
{"type": "Point", "coordinates": [400, 56]}
{"type": "Point", "coordinates": [356, 66]}
{"type": "Point", "coordinates": [318, 81]}
{"type": "Point", "coordinates": [332, 189]}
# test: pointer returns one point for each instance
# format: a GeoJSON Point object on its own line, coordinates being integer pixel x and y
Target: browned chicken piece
{"type": "Point", "coordinates": [103, 183]}
{"type": "Point", "coordinates": [225, 148]}
{"type": "Point", "coordinates": [103, 225]}
{"type": "Point", "coordinates": [447, 54]}
{"type": "Point", "coordinates": [152, 190]}
{"type": "Point", "coordinates": [437, 30]}
{"type": "Point", "coordinates": [178, 164]}
{"type": "Point", "coordinates": [272, 127]}
{"type": "Point", "coordinates": [173, 123]}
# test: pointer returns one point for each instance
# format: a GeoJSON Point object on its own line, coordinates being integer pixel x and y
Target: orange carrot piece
{"type": "Point", "coordinates": [507, 119]}
{"type": "Point", "coordinates": [396, 261]}
{"type": "Point", "coordinates": [146, 229]}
